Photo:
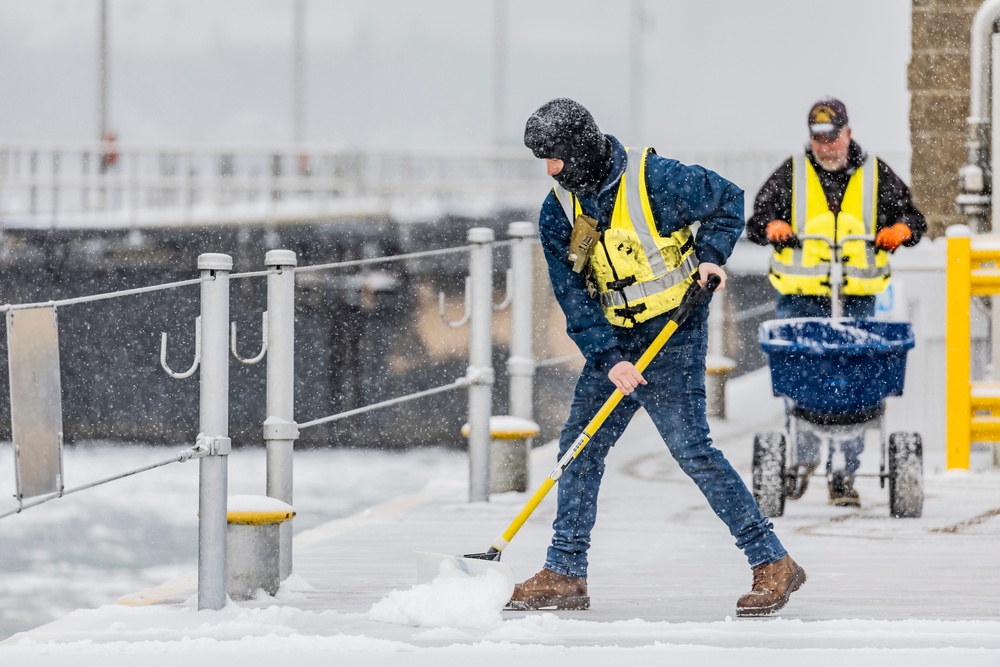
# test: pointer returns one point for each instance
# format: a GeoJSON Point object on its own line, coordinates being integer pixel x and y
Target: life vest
{"type": "Point", "coordinates": [806, 270]}
{"type": "Point", "coordinates": [637, 273]}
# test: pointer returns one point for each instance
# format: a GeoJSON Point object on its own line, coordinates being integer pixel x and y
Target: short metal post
{"type": "Point", "coordinates": [480, 370]}
{"type": "Point", "coordinates": [280, 430]}
{"type": "Point", "coordinates": [214, 430]}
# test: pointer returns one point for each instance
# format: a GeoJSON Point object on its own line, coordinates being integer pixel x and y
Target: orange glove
{"type": "Point", "coordinates": [780, 235]}
{"type": "Point", "coordinates": [891, 237]}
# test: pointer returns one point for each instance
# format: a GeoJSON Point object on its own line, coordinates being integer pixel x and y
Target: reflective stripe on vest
{"type": "Point", "coordinates": [568, 202]}
{"type": "Point", "coordinates": [806, 270]}
{"type": "Point", "coordinates": [652, 287]}
{"type": "Point", "coordinates": [633, 227]}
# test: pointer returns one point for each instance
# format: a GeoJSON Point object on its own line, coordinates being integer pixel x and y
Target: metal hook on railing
{"type": "Point", "coordinates": [468, 311]}
{"type": "Point", "coordinates": [509, 295]}
{"type": "Point", "coordinates": [263, 341]}
{"type": "Point", "coordinates": [197, 352]}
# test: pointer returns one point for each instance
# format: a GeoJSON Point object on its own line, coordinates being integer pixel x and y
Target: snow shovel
{"type": "Point", "coordinates": [428, 564]}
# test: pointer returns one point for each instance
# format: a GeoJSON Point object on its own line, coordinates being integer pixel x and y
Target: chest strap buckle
{"type": "Point", "coordinates": [620, 284]}
{"type": "Point", "coordinates": [629, 312]}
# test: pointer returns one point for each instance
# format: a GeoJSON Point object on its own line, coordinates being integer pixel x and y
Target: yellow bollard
{"type": "Point", "coordinates": [252, 544]}
{"type": "Point", "coordinates": [508, 452]}
{"type": "Point", "coordinates": [958, 342]}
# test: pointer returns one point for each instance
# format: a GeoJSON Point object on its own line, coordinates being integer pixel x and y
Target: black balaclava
{"type": "Point", "coordinates": [564, 130]}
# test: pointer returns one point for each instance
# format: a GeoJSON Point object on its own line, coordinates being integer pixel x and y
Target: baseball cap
{"type": "Point", "coordinates": [827, 118]}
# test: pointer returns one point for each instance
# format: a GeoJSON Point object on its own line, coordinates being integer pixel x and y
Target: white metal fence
{"type": "Point", "coordinates": [87, 185]}
{"type": "Point", "coordinates": [104, 186]}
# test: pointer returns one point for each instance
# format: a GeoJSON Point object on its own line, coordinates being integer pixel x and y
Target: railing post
{"type": "Point", "coordinates": [214, 430]}
{"type": "Point", "coordinates": [521, 364]}
{"type": "Point", "coordinates": [480, 370]}
{"type": "Point", "coordinates": [958, 341]}
{"type": "Point", "coordinates": [280, 429]}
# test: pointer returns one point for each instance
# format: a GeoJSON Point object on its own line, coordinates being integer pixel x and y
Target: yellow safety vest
{"type": "Point", "coordinates": [638, 273]}
{"type": "Point", "coordinates": [806, 270]}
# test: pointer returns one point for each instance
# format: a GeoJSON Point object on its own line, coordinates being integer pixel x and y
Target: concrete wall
{"type": "Point", "coordinates": [939, 105]}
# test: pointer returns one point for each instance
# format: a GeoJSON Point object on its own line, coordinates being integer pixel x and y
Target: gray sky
{"type": "Point", "coordinates": [719, 74]}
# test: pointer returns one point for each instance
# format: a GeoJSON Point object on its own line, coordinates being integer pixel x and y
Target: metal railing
{"type": "Point", "coordinates": [81, 185]}
{"type": "Point", "coordinates": [216, 339]}
{"type": "Point", "coordinates": [60, 491]}
{"type": "Point", "coordinates": [211, 447]}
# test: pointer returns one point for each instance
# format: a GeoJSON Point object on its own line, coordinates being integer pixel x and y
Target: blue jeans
{"type": "Point", "coordinates": [807, 442]}
{"type": "Point", "coordinates": [675, 400]}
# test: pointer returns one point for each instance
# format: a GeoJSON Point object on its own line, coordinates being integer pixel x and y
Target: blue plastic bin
{"type": "Point", "coordinates": [843, 366]}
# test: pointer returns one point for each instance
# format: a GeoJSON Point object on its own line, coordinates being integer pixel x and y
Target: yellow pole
{"type": "Point", "coordinates": [958, 341]}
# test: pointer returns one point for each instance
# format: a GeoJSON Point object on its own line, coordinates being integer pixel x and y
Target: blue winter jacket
{"type": "Point", "coordinates": [679, 195]}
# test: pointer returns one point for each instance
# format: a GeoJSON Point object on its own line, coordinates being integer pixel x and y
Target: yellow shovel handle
{"type": "Point", "coordinates": [699, 297]}
{"type": "Point", "coordinates": [581, 442]}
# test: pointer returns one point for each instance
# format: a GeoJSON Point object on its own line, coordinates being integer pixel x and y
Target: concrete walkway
{"type": "Point", "coordinates": [659, 552]}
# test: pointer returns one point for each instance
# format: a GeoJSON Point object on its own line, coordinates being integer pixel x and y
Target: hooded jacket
{"type": "Point", "coordinates": [679, 196]}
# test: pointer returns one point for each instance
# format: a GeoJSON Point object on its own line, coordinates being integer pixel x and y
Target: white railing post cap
{"type": "Point", "coordinates": [276, 428]}
{"type": "Point", "coordinates": [215, 261]}
{"type": "Point", "coordinates": [521, 229]}
{"type": "Point", "coordinates": [280, 258]}
{"type": "Point", "coordinates": [480, 235]}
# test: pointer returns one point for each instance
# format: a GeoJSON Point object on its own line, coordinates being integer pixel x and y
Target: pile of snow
{"type": "Point", "coordinates": [453, 599]}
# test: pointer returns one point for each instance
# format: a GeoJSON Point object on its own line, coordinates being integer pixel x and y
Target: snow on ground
{"type": "Point", "coordinates": [163, 635]}
{"type": "Point", "coordinates": [92, 547]}
{"type": "Point", "coordinates": [881, 591]}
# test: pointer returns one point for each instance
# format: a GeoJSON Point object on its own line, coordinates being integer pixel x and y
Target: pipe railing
{"type": "Point", "coordinates": [212, 444]}
{"type": "Point", "coordinates": [180, 457]}
{"type": "Point", "coordinates": [972, 408]}
{"type": "Point", "coordinates": [81, 184]}
{"type": "Point", "coordinates": [974, 199]}
{"type": "Point", "coordinates": [75, 183]}
{"type": "Point", "coordinates": [479, 308]}
{"type": "Point", "coordinates": [216, 339]}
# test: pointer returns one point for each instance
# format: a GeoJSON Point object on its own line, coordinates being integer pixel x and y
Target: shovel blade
{"type": "Point", "coordinates": [429, 567]}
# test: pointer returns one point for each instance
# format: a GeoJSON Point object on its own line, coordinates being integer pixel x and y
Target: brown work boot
{"type": "Point", "coordinates": [773, 584]}
{"type": "Point", "coordinates": [842, 491]}
{"type": "Point", "coordinates": [549, 590]}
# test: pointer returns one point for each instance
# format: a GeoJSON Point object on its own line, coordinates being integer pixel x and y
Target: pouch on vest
{"type": "Point", "coordinates": [582, 241]}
